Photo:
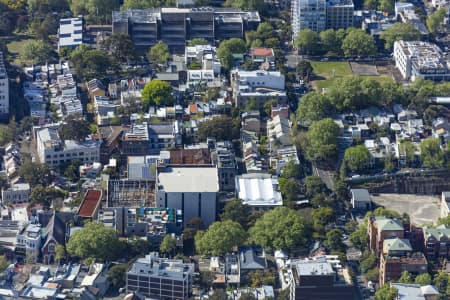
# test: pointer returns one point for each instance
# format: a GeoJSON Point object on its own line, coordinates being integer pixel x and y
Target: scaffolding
{"type": "Point", "coordinates": [131, 193]}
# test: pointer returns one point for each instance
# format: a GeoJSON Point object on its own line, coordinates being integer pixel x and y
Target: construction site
{"type": "Point", "coordinates": [131, 193]}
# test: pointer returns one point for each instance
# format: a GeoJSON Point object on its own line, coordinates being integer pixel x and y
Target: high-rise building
{"type": "Point", "coordinates": [308, 14]}
{"type": "Point", "coordinates": [339, 14]}
{"type": "Point", "coordinates": [4, 89]}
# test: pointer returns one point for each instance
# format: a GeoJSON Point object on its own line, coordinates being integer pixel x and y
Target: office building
{"type": "Point", "coordinates": [175, 26]}
{"type": "Point", "coordinates": [417, 59]}
{"type": "Point", "coordinates": [191, 189]}
{"type": "Point", "coordinates": [17, 193]}
{"type": "Point", "coordinates": [339, 14]}
{"type": "Point", "coordinates": [160, 278]}
{"type": "Point", "coordinates": [52, 150]}
{"type": "Point", "coordinates": [321, 278]}
{"type": "Point", "coordinates": [260, 86]}
{"type": "Point", "coordinates": [308, 14]}
{"type": "Point", "coordinates": [4, 89]}
{"type": "Point", "coordinates": [70, 33]}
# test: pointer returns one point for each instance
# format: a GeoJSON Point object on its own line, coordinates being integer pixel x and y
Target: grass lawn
{"type": "Point", "coordinates": [342, 69]}
{"type": "Point", "coordinates": [16, 48]}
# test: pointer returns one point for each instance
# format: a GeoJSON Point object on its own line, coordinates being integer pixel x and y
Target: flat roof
{"type": "Point", "coordinates": [188, 179]}
{"type": "Point", "coordinates": [90, 203]}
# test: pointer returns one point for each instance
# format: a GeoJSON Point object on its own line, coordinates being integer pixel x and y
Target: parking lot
{"type": "Point", "coordinates": [422, 209]}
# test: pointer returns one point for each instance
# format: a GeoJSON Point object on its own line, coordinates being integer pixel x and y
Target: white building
{"type": "Point", "coordinates": [70, 32]}
{"type": "Point", "coordinates": [191, 189]}
{"type": "Point", "coordinates": [4, 88]}
{"type": "Point", "coordinates": [308, 14]}
{"type": "Point", "coordinates": [260, 191]}
{"type": "Point", "coordinates": [17, 193]}
{"type": "Point", "coordinates": [257, 85]}
{"type": "Point", "coordinates": [279, 132]}
{"type": "Point", "coordinates": [28, 242]}
{"type": "Point", "coordinates": [54, 151]}
{"type": "Point", "coordinates": [416, 59]}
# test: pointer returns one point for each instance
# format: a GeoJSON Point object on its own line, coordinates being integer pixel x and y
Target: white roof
{"type": "Point", "coordinates": [258, 190]}
{"type": "Point", "coordinates": [70, 32]}
{"type": "Point", "coordinates": [188, 179]}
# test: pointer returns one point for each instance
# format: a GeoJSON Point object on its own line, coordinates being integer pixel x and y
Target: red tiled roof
{"type": "Point", "coordinates": [262, 52]}
{"type": "Point", "coordinates": [90, 203]}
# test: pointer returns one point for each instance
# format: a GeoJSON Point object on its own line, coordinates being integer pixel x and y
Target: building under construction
{"type": "Point", "coordinates": [131, 193]}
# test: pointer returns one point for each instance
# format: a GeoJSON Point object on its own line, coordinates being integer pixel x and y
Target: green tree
{"type": "Point", "coordinates": [399, 31]}
{"type": "Point", "coordinates": [406, 277]}
{"type": "Point", "coordinates": [444, 221]}
{"type": "Point", "coordinates": [409, 150]}
{"type": "Point", "coordinates": [441, 280]}
{"type": "Point", "coordinates": [313, 107]}
{"type": "Point", "coordinates": [371, 4]}
{"type": "Point", "coordinates": [168, 245]}
{"type": "Point", "coordinates": [36, 173]}
{"type": "Point", "coordinates": [291, 170]}
{"type": "Point", "coordinates": [357, 158]}
{"type": "Point", "coordinates": [314, 185]}
{"type": "Point", "coordinates": [423, 279]}
{"type": "Point", "coordinates": [435, 19]}
{"type": "Point", "coordinates": [3, 263]}
{"type": "Point", "coordinates": [386, 292]}
{"type": "Point", "coordinates": [331, 41]}
{"type": "Point", "coordinates": [120, 46]}
{"type": "Point", "coordinates": [262, 277]}
{"type": "Point", "coordinates": [220, 128]}
{"type": "Point", "coordinates": [206, 279]}
{"type": "Point", "coordinates": [323, 144]}
{"type": "Point", "coordinates": [38, 51]}
{"type": "Point", "coordinates": [219, 294]}
{"type": "Point", "coordinates": [98, 10]}
{"type": "Point", "coordinates": [197, 41]}
{"type": "Point", "coordinates": [258, 5]}
{"type": "Point", "coordinates": [333, 241]}
{"type": "Point", "coordinates": [95, 241]}
{"type": "Point", "coordinates": [75, 128]}
{"type": "Point", "coordinates": [386, 6]}
{"type": "Point", "coordinates": [369, 262]}
{"type": "Point", "coordinates": [159, 53]}
{"type": "Point", "coordinates": [290, 189]}
{"type": "Point", "coordinates": [321, 217]}
{"type": "Point", "coordinates": [431, 153]}
{"type": "Point", "coordinates": [143, 4]}
{"type": "Point", "coordinates": [304, 69]}
{"type": "Point", "coordinates": [220, 238]}
{"type": "Point", "coordinates": [247, 296]}
{"type": "Point", "coordinates": [238, 212]}
{"type": "Point", "coordinates": [307, 41]}
{"type": "Point", "coordinates": [158, 93]}
{"type": "Point", "coordinates": [280, 228]}
{"type": "Point", "coordinates": [90, 63]}
{"type": "Point", "coordinates": [117, 274]}
{"type": "Point", "coordinates": [358, 43]}
{"type": "Point", "coordinates": [229, 47]}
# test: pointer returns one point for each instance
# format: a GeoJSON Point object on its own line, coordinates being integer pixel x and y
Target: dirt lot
{"type": "Point", "coordinates": [422, 209]}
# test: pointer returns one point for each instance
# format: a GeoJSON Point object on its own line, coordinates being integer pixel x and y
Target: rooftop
{"type": "Point", "coordinates": [152, 265]}
{"type": "Point", "coordinates": [70, 32]}
{"type": "Point", "coordinates": [424, 55]}
{"type": "Point", "coordinates": [414, 291]}
{"type": "Point", "coordinates": [258, 190]}
{"type": "Point", "coordinates": [188, 179]}
{"type": "Point", "coordinates": [388, 224]}
{"type": "Point", "coordinates": [90, 202]}
{"type": "Point", "coordinates": [262, 52]}
{"type": "Point", "coordinates": [396, 244]}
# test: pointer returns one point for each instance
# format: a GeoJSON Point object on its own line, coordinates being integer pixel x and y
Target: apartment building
{"type": "Point", "coordinates": [52, 150]}
{"type": "Point", "coordinates": [260, 86]}
{"type": "Point", "coordinates": [380, 229]}
{"type": "Point", "coordinates": [339, 14]}
{"type": "Point", "coordinates": [190, 189]}
{"type": "Point", "coordinates": [4, 89]}
{"type": "Point", "coordinates": [70, 33]}
{"type": "Point", "coordinates": [17, 193]}
{"type": "Point", "coordinates": [160, 278]}
{"type": "Point", "coordinates": [308, 14]}
{"type": "Point", "coordinates": [436, 241]}
{"type": "Point", "coordinates": [28, 243]}
{"type": "Point", "coordinates": [175, 26]}
{"type": "Point", "coordinates": [223, 157]}
{"type": "Point", "coordinates": [145, 138]}
{"type": "Point", "coordinates": [417, 59]}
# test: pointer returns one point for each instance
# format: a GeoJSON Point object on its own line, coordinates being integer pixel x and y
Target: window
{"type": "Point", "coordinates": [51, 247]}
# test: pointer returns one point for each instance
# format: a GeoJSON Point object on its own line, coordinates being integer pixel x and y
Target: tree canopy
{"type": "Point", "coordinates": [229, 47]}
{"type": "Point", "coordinates": [399, 31]}
{"type": "Point", "coordinates": [98, 10]}
{"type": "Point", "coordinates": [158, 93]}
{"type": "Point", "coordinates": [90, 63]}
{"type": "Point", "coordinates": [36, 173]}
{"type": "Point", "coordinates": [121, 47]}
{"type": "Point", "coordinates": [313, 107]}
{"type": "Point", "coordinates": [307, 41]}
{"type": "Point", "coordinates": [168, 245]}
{"type": "Point", "coordinates": [223, 128]}
{"type": "Point", "coordinates": [159, 53]}
{"type": "Point", "coordinates": [238, 212]}
{"type": "Point", "coordinates": [322, 137]}
{"type": "Point", "coordinates": [38, 51]}
{"type": "Point", "coordinates": [143, 4]}
{"type": "Point", "coordinates": [281, 228]}
{"type": "Point", "coordinates": [358, 43]}
{"type": "Point", "coordinates": [75, 128]}
{"type": "Point", "coordinates": [94, 241]}
{"type": "Point", "coordinates": [386, 292]}
{"type": "Point", "coordinates": [220, 238]}
{"type": "Point", "coordinates": [431, 153]}
{"type": "Point", "coordinates": [357, 158]}
{"type": "Point", "coordinates": [435, 19]}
